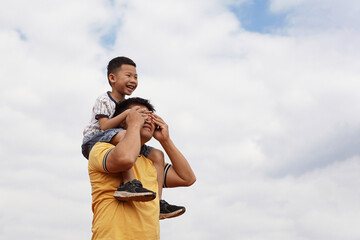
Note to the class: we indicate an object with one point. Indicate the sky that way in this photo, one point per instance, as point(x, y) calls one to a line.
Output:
point(262, 97)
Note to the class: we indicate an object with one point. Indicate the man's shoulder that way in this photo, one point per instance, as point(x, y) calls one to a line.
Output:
point(99, 152)
point(101, 146)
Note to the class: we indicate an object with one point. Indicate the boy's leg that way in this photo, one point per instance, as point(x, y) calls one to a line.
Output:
point(166, 210)
point(127, 176)
point(118, 137)
point(130, 189)
point(157, 157)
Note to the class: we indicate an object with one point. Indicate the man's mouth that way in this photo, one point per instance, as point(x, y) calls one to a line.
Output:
point(148, 126)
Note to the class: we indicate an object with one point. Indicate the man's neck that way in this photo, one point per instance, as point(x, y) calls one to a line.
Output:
point(144, 140)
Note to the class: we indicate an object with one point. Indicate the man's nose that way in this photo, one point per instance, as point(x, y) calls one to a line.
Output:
point(148, 119)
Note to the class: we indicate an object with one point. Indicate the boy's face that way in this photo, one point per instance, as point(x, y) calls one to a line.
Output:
point(124, 80)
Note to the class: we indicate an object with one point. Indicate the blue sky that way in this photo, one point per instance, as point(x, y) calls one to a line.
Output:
point(109, 38)
point(261, 97)
point(256, 16)
point(21, 35)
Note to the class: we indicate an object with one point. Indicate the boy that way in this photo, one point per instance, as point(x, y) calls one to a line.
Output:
point(122, 77)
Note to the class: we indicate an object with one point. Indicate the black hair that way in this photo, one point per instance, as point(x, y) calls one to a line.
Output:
point(128, 103)
point(116, 63)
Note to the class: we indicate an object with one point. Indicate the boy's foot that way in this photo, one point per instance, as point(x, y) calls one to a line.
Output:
point(134, 191)
point(170, 211)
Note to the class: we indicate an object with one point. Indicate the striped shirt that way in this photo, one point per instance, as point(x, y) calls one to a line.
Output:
point(104, 107)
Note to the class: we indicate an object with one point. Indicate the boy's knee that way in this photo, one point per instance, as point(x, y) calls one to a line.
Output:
point(118, 137)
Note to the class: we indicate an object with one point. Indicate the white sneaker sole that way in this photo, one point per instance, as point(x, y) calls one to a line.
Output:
point(171, 215)
point(138, 197)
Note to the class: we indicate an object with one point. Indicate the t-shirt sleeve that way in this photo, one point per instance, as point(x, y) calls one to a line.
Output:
point(98, 155)
point(103, 108)
point(166, 169)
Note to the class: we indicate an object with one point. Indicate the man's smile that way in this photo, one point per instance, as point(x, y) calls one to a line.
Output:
point(148, 126)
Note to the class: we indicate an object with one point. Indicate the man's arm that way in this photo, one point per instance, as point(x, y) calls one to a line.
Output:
point(180, 174)
point(125, 153)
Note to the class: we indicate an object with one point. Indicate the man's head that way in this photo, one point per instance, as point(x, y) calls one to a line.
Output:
point(122, 75)
point(148, 128)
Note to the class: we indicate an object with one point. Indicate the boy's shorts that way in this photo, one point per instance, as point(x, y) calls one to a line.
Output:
point(105, 136)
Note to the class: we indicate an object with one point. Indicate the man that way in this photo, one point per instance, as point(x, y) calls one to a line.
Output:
point(132, 220)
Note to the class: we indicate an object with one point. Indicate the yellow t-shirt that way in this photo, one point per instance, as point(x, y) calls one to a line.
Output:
point(113, 220)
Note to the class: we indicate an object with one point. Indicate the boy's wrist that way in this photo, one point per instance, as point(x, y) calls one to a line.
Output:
point(123, 115)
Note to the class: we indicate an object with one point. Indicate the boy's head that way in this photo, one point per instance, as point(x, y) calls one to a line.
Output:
point(148, 128)
point(122, 76)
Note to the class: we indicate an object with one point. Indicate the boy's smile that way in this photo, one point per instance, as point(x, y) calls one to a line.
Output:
point(131, 87)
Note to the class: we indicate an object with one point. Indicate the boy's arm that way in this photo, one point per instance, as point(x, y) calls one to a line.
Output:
point(180, 174)
point(108, 123)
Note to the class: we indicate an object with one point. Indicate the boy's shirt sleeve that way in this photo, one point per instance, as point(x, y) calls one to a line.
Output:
point(103, 107)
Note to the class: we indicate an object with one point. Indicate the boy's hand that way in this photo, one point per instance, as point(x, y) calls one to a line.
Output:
point(162, 131)
point(126, 112)
point(135, 118)
point(143, 111)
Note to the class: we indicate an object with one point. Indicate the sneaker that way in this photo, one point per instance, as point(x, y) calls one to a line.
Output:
point(170, 211)
point(134, 191)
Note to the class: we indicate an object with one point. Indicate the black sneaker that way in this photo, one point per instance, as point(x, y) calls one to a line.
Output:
point(134, 191)
point(170, 211)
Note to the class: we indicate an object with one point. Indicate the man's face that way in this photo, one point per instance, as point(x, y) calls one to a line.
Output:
point(124, 80)
point(147, 131)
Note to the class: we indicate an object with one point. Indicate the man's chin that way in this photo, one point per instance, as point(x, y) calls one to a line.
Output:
point(145, 137)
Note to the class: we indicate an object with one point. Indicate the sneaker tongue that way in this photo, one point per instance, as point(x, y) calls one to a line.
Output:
point(136, 182)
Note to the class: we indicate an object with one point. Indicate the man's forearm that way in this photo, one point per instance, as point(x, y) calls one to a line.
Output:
point(179, 162)
point(131, 143)
point(125, 153)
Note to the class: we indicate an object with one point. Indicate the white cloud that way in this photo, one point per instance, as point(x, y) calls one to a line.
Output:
point(321, 204)
point(269, 122)
point(281, 5)
point(305, 16)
